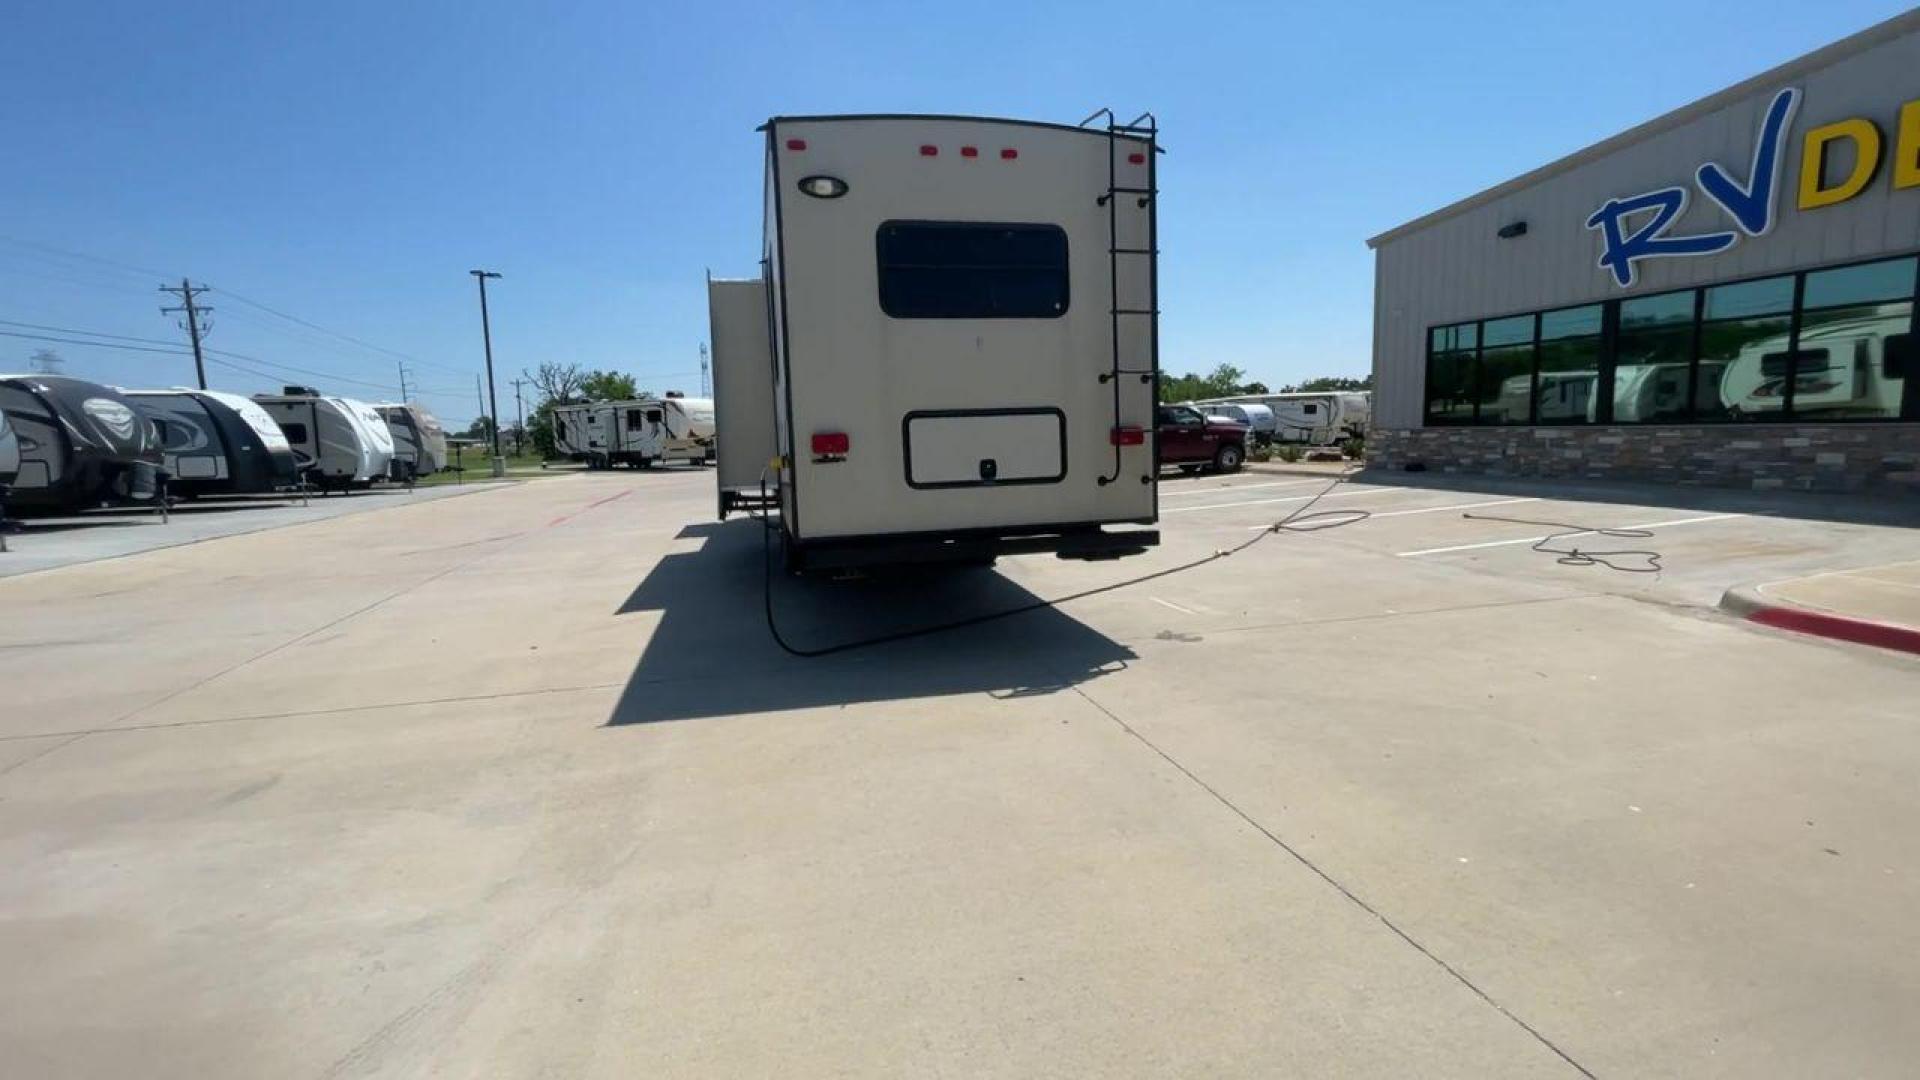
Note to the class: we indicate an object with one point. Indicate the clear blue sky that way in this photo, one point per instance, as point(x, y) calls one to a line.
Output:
point(347, 163)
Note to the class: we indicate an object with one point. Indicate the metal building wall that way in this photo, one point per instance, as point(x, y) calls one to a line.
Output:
point(1451, 266)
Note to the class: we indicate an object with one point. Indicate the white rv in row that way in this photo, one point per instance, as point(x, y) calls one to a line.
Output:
point(951, 350)
point(419, 442)
point(639, 433)
point(1315, 418)
point(339, 443)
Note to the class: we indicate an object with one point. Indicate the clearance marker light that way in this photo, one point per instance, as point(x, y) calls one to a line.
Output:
point(796, 144)
point(1128, 436)
point(831, 443)
point(1009, 154)
point(929, 150)
point(969, 151)
point(1136, 159)
point(823, 187)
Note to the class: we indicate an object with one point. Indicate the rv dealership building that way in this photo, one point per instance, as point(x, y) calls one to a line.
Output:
point(1722, 296)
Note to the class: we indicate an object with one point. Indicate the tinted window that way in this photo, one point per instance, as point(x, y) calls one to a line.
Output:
point(1569, 381)
point(295, 433)
point(1890, 280)
point(1450, 373)
point(964, 270)
point(1503, 384)
point(633, 417)
point(1653, 379)
point(1774, 296)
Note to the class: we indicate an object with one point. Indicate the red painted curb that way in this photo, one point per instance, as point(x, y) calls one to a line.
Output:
point(1825, 624)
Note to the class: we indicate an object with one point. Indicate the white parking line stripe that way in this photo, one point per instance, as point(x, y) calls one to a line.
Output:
point(1225, 488)
point(1568, 535)
point(1174, 606)
point(1455, 506)
point(1284, 499)
point(1426, 510)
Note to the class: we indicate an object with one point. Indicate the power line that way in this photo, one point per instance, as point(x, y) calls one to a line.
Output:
point(96, 344)
point(395, 353)
point(89, 333)
point(176, 351)
point(49, 249)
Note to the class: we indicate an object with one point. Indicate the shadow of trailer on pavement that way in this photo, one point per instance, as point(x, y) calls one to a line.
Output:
point(711, 654)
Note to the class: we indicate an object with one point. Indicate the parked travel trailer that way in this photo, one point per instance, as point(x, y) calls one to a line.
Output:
point(333, 439)
point(419, 442)
point(1318, 418)
point(1841, 370)
point(1261, 422)
point(639, 433)
point(79, 443)
point(217, 444)
point(958, 316)
point(570, 430)
point(9, 453)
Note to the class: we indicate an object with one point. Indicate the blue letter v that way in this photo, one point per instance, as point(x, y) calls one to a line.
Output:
point(1752, 206)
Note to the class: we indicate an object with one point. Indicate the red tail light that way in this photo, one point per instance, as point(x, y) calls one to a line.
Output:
point(1129, 436)
point(831, 442)
point(929, 150)
point(1009, 153)
point(796, 144)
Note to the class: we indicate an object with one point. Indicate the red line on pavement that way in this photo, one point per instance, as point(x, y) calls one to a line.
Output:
point(1826, 624)
point(564, 518)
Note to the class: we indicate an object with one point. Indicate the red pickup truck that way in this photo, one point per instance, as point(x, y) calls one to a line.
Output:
point(1193, 440)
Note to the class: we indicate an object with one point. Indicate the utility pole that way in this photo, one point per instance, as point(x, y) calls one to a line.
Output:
point(186, 292)
point(479, 398)
point(403, 383)
point(520, 419)
point(486, 335)
point(706, 389)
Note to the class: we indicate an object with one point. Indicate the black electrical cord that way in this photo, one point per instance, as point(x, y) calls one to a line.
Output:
point(1573, 556)
point(1298, 521)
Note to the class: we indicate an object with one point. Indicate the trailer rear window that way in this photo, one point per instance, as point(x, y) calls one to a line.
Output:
point(971, 270)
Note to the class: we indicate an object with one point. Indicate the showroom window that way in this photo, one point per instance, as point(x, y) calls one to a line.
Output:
point(1827, 345)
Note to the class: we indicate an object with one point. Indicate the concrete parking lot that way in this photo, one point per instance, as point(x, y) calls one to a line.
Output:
point(43, 543)
point(517, 784)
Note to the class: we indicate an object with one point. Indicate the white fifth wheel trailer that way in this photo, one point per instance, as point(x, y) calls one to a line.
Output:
point(961, 325)
point(570, 430)
point(640, 433)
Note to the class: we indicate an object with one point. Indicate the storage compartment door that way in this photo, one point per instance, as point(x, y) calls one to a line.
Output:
point(985, 447)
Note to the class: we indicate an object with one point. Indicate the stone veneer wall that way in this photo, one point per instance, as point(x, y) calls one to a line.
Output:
point(1839, 457)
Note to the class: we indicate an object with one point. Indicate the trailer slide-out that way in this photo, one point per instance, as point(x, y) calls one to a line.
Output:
point(951, 350)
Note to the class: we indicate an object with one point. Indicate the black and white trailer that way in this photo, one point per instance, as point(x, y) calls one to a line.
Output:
point(217, 444)
point(958, 320)
point(9, 453)
point(80, 444)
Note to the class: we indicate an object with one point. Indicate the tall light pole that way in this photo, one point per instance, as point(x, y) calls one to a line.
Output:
point(486, 335)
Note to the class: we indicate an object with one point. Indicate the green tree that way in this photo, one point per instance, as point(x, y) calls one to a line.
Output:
point(481, 428)
point(608, 386)
point(1333, 382)
point(1224, 381)
point(540, 430)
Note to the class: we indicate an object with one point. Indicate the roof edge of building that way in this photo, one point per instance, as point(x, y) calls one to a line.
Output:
point(1873, 35)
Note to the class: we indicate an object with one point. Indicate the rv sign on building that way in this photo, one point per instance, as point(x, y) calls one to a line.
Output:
point(1838, 160)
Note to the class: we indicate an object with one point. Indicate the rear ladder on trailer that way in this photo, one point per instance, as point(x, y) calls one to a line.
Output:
point(1144, 127)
